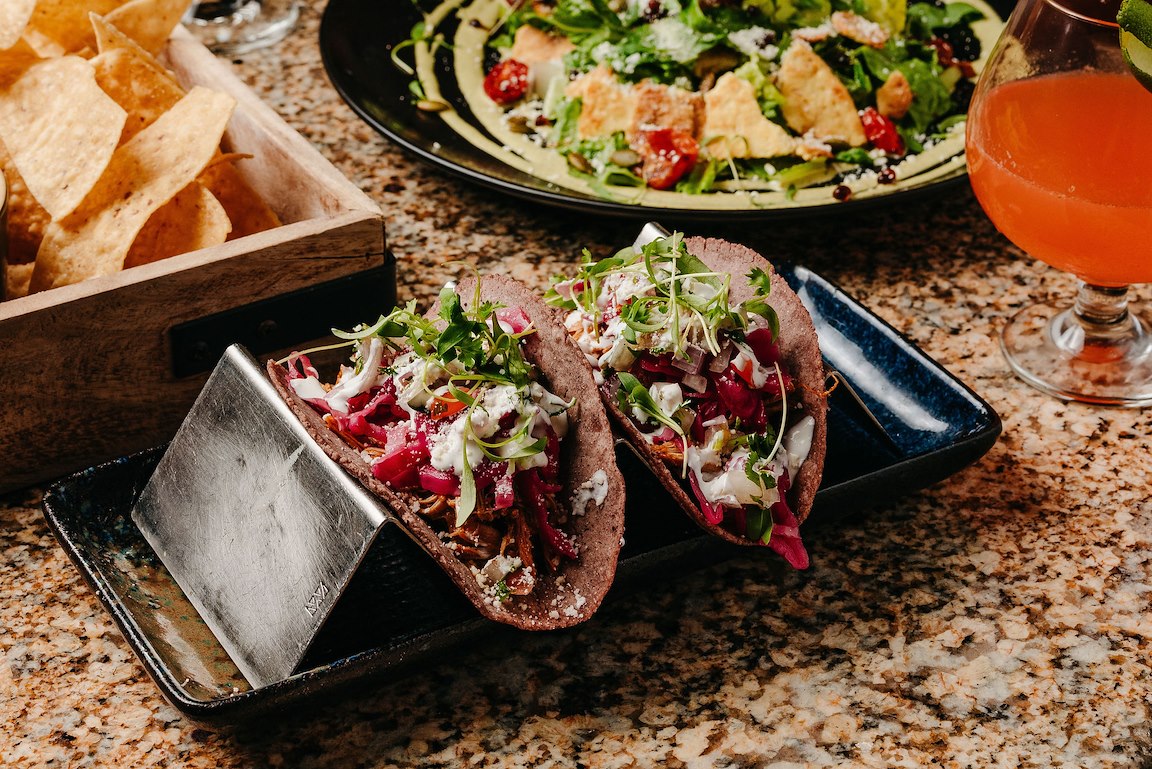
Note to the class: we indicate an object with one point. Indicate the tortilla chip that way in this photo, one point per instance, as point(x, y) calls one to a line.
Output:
point(65, 22)
point(144, 174)
point(133, 78)
point(16, 280)
point(15, 61)
point(26, 218)
point(246, 209)
point(43, 45)
point(193, 219)
point(14, 17)
point(61, 130)
point(148, 22)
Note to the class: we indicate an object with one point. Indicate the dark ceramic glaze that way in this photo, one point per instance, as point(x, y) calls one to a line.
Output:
point(420, 613)
point(356, 40)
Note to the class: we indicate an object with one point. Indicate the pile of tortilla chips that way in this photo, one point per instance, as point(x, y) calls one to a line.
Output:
point(109, 162)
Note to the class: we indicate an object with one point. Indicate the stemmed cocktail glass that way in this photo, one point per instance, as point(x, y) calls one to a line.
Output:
point(1056, 144)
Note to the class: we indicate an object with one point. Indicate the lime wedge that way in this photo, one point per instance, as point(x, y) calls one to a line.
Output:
point(1135, 20)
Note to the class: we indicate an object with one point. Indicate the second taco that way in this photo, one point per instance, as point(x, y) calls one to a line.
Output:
point(711, 366)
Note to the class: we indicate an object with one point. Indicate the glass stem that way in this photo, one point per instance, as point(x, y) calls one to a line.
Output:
point(1102, 305)
point(1098, 328)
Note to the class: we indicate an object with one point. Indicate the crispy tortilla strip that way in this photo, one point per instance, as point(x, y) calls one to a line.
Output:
point(61, 130)
point(814, 98)
point(148, 22)
point(665, 106)
point(66, 22)
point(735, 127)
point(533, 46)
point(144, 174)
point(193, 219)
point(14, 17)
point(247, 211)
point(608, 106)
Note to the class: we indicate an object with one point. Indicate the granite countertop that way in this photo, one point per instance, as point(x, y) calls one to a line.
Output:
point(997, 618)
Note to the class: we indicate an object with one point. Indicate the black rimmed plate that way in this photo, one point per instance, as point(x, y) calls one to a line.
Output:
point(357, 40)
point(401, 611)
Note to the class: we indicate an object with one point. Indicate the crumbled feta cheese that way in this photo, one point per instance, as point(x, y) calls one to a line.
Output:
point(668, 396)
point(674, 38)
point(755, 41)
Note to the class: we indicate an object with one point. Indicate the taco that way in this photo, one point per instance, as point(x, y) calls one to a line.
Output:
point(710, 365)
point(479, 426)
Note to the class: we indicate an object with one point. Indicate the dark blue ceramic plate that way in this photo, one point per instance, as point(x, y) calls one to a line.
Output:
point(930, 426)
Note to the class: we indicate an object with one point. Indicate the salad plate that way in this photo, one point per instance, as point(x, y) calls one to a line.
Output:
point(898, 423)
point(414, 72)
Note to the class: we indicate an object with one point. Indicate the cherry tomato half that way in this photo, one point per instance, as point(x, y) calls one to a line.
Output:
point(881, 131)
point(668, 154)
point(507, 81)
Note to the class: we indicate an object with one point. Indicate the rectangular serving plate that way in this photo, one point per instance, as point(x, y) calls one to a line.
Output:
point(928, 425)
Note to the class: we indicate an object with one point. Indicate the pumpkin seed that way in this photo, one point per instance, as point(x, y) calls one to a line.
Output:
point(580, 163)
point(518, 124)
point(626, 158)
point(431, 105)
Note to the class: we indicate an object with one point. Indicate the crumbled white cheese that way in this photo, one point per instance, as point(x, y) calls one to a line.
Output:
point(497, 569)
point(674, 38)
point(755, 41)
point(668, 396)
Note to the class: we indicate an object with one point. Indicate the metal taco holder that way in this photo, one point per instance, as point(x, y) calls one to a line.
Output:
point(260, 528)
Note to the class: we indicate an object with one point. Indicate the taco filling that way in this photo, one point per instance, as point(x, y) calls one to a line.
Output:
point(701, 378)
point(448, 409)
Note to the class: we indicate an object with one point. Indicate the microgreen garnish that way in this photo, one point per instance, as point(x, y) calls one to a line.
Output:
point(477, 352)
point(687, 298)
point(671, 309)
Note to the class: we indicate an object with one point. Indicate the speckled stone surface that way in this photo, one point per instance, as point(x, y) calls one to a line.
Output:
point(998, 619)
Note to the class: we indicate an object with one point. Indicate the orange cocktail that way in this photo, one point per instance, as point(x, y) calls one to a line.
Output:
point(1059, 164)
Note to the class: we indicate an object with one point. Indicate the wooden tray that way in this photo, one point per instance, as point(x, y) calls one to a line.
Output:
point(110, 366)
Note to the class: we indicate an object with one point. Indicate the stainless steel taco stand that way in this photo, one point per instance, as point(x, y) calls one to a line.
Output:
point(260, 529)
